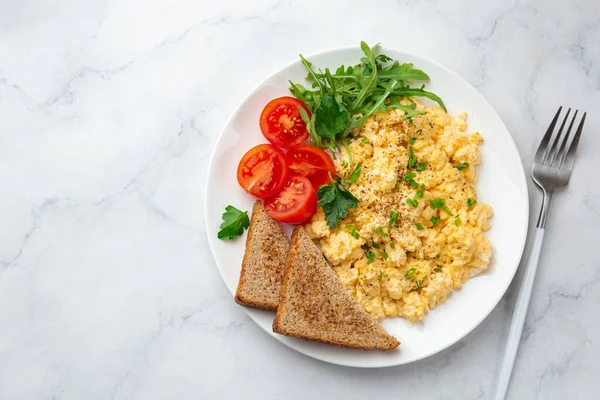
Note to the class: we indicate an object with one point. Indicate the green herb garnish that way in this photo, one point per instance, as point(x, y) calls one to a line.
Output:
point(380, 231)
point(355, 235)
point(420, 131)
point(374, 245)
point(412, 159)
point(471, 202)
point(409, 176)
point(412, 202)
point(439, 203)
point(348, 97)
point(335, 200)
point(365, 140)
point(421, 167)
point(457, 221)
point(410, 273)
point(354, 176)
point(234, 223)
point(461, 166)
point(437, 269)
point(393, 246)
point(419, 226)
point(370, 256)
point(380, 275)
point(412, 140)
point(435, 221)
point(420, 283)
point(384, 255)
point(393, 218)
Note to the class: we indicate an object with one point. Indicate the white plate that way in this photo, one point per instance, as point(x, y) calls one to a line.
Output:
point(501, 184)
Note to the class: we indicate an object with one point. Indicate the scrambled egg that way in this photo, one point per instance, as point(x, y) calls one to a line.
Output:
point(403, 269)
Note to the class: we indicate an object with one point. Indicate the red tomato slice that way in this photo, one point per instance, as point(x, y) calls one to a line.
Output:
point(295, 203)
point(311, 162)
point(281, 123)
point(262, 171)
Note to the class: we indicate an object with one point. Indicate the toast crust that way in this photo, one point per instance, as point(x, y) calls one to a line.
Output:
point(374, 336)
point(267, 252)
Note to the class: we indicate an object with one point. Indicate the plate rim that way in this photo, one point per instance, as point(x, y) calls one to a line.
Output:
point(522, 178)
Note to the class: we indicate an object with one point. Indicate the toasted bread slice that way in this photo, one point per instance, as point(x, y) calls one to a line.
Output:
point(315, 305)
point(267, 248)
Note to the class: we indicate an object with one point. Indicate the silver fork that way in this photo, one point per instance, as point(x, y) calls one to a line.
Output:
point(552, 167)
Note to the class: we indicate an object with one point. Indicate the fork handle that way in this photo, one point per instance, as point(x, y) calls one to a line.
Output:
point(520, 312)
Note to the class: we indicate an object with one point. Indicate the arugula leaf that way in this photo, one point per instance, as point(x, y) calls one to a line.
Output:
point(234, 223)
point(409, 111)
point(403, 72)
point(335, 200)
point(347, 98)
point(310, 126)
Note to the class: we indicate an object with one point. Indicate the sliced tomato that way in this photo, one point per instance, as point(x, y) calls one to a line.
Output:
point(311, 162)
point(262, 171)
point(282, 124)
point(295, 203)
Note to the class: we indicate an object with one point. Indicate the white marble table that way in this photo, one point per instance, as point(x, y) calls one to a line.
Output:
point(109, 111)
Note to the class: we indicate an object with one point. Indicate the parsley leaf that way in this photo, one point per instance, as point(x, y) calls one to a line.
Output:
point(412, 140)
point(410, 273)
point(355, 234)
point(435, 221)
point(421, 167)
point(419, 226)
point(374, 245)
point(234, 223)
point(335, 200)
point(330, 120)
point(471, 202)
point(355, 175)
point(393, 246)
point(461, 166)
point(370, 256)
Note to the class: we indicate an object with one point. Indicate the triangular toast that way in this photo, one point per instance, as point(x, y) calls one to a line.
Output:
point(315, 305)
point(267, 248)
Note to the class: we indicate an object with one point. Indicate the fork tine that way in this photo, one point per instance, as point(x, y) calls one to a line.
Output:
point(570, 157)
point(541, 151)
point(560, 152)
point(552, 152)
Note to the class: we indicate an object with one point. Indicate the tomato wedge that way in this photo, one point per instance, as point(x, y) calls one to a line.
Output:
point(281, 123)
point(311, 162)
point(295, 203)
point(262, 171)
